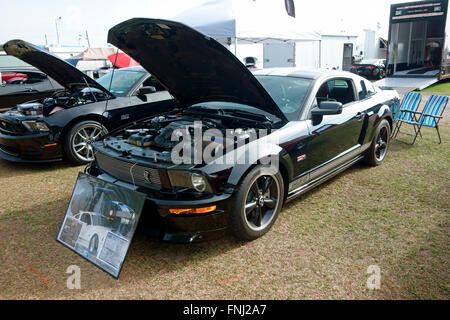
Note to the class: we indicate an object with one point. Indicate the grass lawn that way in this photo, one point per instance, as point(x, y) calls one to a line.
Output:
point(395, 216)
point(441, 87)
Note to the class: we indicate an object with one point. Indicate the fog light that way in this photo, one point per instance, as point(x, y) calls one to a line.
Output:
point(193, 210)
point(198, 182)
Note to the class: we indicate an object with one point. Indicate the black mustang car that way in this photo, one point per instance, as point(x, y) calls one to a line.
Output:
point(370, 68)
point(21, 84)
point(66, 124)
point(286, 131)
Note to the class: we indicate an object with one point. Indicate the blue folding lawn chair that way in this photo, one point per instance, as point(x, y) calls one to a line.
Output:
point(429, 117)
point(410, 102)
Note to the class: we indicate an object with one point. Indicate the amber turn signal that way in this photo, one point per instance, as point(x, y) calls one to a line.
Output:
point(193, 210)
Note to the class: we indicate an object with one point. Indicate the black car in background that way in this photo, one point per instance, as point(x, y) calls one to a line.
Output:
point(370, 68)
point(20, 84)
point(66, 124)
point(310, 125)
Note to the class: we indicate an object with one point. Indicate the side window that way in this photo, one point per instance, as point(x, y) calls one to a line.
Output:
point(35, 78)
point(340, 90)
point(151, 81)
point(370, 88)
point(367, 90)
point(363, 92)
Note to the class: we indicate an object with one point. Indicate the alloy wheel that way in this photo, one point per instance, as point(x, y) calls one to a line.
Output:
point(381, 144)
point(262, 202)
point(84, 139)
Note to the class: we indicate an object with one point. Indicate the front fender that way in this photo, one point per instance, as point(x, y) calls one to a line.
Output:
point(242, 159)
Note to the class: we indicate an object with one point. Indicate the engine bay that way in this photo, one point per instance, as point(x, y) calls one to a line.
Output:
point(154, 139)
point(60, 100)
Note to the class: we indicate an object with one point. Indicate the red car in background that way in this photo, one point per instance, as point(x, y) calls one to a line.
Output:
point(22, 84)
point(12, 77)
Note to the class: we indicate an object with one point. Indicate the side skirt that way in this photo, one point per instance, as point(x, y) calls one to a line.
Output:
point(306, 187)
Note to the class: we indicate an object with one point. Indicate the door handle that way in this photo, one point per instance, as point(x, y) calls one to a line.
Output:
point(360, 115)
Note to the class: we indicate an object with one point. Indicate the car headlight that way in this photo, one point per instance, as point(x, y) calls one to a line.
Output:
point(35, 125)
point(198, 182)
point(186, 179)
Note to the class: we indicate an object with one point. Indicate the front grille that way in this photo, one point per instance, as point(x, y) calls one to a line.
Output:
point(7, 128)
point(129, 172)
point(9, 150)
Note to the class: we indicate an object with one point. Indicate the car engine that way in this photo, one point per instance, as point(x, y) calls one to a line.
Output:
point(156, 138)
point(59, 101)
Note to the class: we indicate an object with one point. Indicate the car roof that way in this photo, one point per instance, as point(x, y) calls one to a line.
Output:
point(312, 74)
point(20, 69)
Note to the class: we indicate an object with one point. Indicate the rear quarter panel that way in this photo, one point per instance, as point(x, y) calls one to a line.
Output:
point(380, 109)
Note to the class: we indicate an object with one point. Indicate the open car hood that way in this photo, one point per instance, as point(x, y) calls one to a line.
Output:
point(61, 71)
point(190, 65)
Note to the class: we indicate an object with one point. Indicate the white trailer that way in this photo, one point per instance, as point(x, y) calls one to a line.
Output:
point(417, 45)
point(331, 52)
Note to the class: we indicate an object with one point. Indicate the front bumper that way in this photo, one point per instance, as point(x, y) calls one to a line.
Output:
point(157, 221)
point(35, 148)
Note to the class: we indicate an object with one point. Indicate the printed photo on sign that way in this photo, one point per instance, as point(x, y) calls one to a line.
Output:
point(100, 222)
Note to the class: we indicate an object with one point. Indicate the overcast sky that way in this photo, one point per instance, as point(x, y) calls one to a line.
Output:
point(31, 20)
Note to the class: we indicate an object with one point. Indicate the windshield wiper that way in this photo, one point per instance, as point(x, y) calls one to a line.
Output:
point(223, 112)
point(249, 114)
point(202, 109)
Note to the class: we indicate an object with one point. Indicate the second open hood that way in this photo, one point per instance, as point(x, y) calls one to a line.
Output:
point(61, 71)
point(192, 66)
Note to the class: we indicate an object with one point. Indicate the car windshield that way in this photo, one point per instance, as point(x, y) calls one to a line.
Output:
point(122, 81)
point(289, 93)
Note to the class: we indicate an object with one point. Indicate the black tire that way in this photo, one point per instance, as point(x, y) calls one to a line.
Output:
point(381, 74)
point(243, 222)
point(74, 137)
point(93, 245)
point(377, 151)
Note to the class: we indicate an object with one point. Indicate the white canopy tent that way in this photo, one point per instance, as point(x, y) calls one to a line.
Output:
point(246, 21)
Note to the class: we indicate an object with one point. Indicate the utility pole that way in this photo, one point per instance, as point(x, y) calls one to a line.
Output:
point(57, 33)
point(87, 38)
point(46, 42)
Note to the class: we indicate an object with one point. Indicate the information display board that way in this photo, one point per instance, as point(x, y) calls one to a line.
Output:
point(100, 222)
